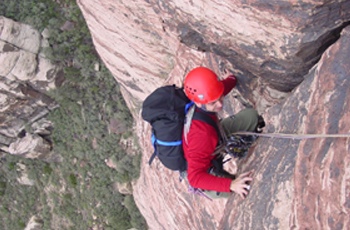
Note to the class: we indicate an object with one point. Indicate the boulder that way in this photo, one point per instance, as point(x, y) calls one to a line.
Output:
point(30, 146)
point(23, 173)
point(25, 77)
point(34, 224)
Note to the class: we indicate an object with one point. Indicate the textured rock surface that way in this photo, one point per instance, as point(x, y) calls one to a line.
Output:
point(30, 146)
point(303, 184)
point(25, 75)
point(23, 173)
point(33, 224)
point(148, 43)
point(270, 47)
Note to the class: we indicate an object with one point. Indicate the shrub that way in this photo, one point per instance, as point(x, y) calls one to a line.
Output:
point(88, 100)
point(2, 187)
point(72, 180)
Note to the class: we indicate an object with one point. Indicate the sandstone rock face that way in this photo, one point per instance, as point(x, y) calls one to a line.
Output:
point(268, 46)
point(25, 76)
point(272, 48)
point(303, 184)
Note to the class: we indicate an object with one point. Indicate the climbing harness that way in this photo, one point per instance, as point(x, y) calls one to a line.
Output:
point(238, 145)
point(235, 145)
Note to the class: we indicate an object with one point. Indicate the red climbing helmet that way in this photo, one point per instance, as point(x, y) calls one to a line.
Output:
point(203, 86)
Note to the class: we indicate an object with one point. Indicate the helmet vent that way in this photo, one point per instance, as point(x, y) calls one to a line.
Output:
point(191, 90)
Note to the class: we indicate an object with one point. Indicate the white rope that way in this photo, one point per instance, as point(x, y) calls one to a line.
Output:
point(295, 136)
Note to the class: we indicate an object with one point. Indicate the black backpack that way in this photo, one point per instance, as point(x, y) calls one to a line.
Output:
point(165, 110)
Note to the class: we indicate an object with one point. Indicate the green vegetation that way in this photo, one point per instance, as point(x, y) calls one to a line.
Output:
point(77, 192)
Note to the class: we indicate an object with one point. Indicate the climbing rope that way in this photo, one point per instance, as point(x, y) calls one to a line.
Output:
point(294, 136)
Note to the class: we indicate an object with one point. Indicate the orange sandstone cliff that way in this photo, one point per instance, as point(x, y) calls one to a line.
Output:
point(291, 60)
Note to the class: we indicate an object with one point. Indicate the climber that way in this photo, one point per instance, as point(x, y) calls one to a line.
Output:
point(202, 86)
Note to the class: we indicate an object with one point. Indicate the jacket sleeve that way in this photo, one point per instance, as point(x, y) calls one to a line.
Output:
point(229, 83)
point(199, 155)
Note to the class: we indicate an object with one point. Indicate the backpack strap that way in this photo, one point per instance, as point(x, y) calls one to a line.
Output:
point(207, 119)
point(218, 161)
point(155, 141)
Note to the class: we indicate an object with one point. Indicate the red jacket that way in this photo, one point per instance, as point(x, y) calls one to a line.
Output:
point(201, 143)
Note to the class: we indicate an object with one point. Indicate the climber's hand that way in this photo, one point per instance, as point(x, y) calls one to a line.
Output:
point(240, 185)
